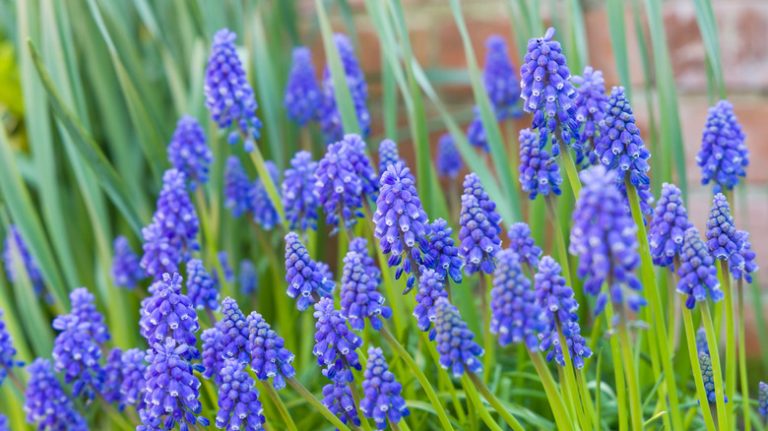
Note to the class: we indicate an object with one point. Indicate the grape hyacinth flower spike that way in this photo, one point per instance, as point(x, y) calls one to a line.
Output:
point(168, 313)
point(724, 156)
point(455, 342)
point(306, 283)
point(132, 384)
point(748, 256)
point(401, 224)
point(707, 376)
point(239, 405)
point(354, 150)
point(382, 400)
point(113, 371)
point(7, 352)
point(126, 270)
point(448, 160)
point(360, 245)
point(516, 316)
point(248, 278)
point(479, 233)
point(237, 188)
point(723, 240)
point(360, 296)
point(476, 132)
point(668, 226)
point(46, 404)
point(591, 105)
point(228, 94)
point(335, 344)
point(338, 187)
point(269, 357)
point(303, 97)
point(388, 154)
point(539, 171)
point(188, 151)
point(443, 253)
point(299, 199)
point(431, 289)
point(500, 78)
point(15, 246)
point(338, 398)
point(202, 288)
point(226, 268)
point(762, 399)
point(521, 242)
point(264, 212)
point(697, 272)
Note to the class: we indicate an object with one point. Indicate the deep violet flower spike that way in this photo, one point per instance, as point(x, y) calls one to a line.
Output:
point(338, 398)
point(233, 330)
point(697, 272)
point(168, 313)
point(521, 242)
point(359, 245)
point(668, 226)
point(620, 148)
point(269, 357)
point(188, 151)
point(335, 344)
point(126, 271)
point(500, 78)
point(248, 278)
point(724, 156)
point(516, 316)
point(431, 289)
point(388, 154)
point(443, 253)
point(237, 188)
point(591, 105)
point(723, 240)
point(382, 400)
point(264, 212)
point(708, 377)
point(132, 386)
point(401, 224)
point(298, 192)
point(476, 132)
point(202, 288)
point(239, 404)
point(302, 97)
point(448, 160)
point(212, 357)
point(748, 255)
point(455, 342)
point(172, 390)
point(4, 423)
point(762, 399)
point(113, 371)
point(84, 308)
point(7, 351)
point(46, 404)
point(338, 187)
point(360, 296)
point(354, 150)
point(539, 171)
point(306, 283)
point(603, 237)
point(228, 94)
point(701, 341)
point(16, 246)
point(479, 228)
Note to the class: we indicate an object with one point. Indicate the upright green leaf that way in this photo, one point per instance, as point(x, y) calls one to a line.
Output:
point(709, 35)
point(619, 43)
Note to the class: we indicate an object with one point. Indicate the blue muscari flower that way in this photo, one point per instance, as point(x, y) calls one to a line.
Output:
point(360, 296)
point(248, 278)
point(133, 382)
point(723, 240)
point(388, 154)
point(455, 342)
point(329, 115)
point(202, 288)
point(401, 224)
point(299, 199)
point(359, 245)
point(591, 106)
point(479, 233)
point(4, 426)
point(212, 358)
point(233, 330)
point(382, 400)
point(724, 155)
point(306, 283)
point(239, 405)
point(46, 404)
point(431, 289)
point(126, 270)
point(303, 97)
point(338, 186)
point(697, 272)
point(701, 341)
point(620, 147)
point(548, 92)
point(226, 268)
point(476, 132)
point(560, 308)
point(705, 365)
point(237, 188)
point(668, 226)
point(603, 237)
point(113, 372)
point(228, 94)
point(338, 398)
point(443, 253)
point(521, 242)
point(84, 308)
point(269, 357)
point(172, 390)
point(335, 344)
point(168, 313)
point(748, 256)
point(539, 171)
point(175, 225)
point(762, 399)
point(264, 212)
point(448, 160)
point(7, 351)
point(189, 153)
point(500, 78)
point(15, 246)
point(516, 316)
point(354, 149)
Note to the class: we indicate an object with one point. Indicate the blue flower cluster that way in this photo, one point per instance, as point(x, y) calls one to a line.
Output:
point(269, 357)
point(539, 171)
point(708, 377)
point(264, 212)
point(133, 381)
point(299, 199)
point(479, 233)
point(303, 97)
point(697, 272)
point(762, 399)
point(202, 288)
point(16, 248)
point(239, 405)
point(126, 270)
point(431, 289)
point(591, 106)
point(521, 242)
point(168, 313)
point(500, 79)
point(237, 188)
point(515, 314)
point(382, 400)
point(448, 159)
point(455, 342)
point(723, 240)
point(338, 398)
point(388, 154)
point(248, 279)
point(188, 151)
point(7, 352)
point(46, 404)
point(443, 253)
point(335, 344)
point(668, 226)
point(724, 156)
point(476, 132)
point(360, 296)
point(306, 282)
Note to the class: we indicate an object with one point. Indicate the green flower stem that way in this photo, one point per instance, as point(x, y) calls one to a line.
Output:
point(279, 406)
point(570, 382)
point(730, 340)
point(571, 172)
point(488, 340)
point(631, 373)
point(618, 373)
point(562, 419)
point(319, 407)
point(693, 355)
point(656, 309)
point(672, 307)
point(714, 354)
point(469, 389)
point(492, 400)
point(445, 423)
point(743, 359)
point(116, 416)
point(443, 378)
point(562, 249)
point(269, 185)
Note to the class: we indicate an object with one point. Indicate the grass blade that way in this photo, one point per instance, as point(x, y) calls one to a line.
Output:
point(619, 43)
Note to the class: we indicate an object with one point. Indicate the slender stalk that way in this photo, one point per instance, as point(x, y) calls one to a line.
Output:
point(693, 355)
point(570, 381)
point(278, 403)
point(571, 172)
point(618, 373)
point(269, 185)
point(488, 339)
point(562, 419)
point(319, 407)
point(562, 249)
point(730, 340)
point(479, 407)
point(631, 374)
point(743, 359)
point(714, 354)
point(492, 400)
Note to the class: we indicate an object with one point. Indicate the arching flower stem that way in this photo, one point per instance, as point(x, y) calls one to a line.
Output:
point(282, 410)
point(314, 402)
point(556, 403)
point(478, 386)
point(574, 391)
point(709, 328)
point(744, 382)
point(730, 336)
point(690, 336)
point(489, 345)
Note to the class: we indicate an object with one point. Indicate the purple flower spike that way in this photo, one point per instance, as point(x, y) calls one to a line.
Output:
point(306, 283)
point(748, 256)
point(132, 385)
point(539, 171)
point(226, 268)
point(448, 160)
point(46, 404)
point(479, 233)
point(443, 253)
point(705, 366)
point(603, 237)
point(299, 199)
point(701, 341)
point(500, 78)
point(15, 246)
point(335, 344)
point(431, 289)
point(233, 328)
point(521, 242)
point(113, 371)
point(264, 212)
point(401, 223)
point(355, 151)
point(126, 271)
point(515, 315)
point(359, 245)
point(212, 358)
point(591, 107)
point(455, 342)
point(237, 188)
point(697, 272)
point(84, 309)
point(724, 155)
point(337, 396)
point(302, 98)
point(188, 151)
point(382, 400)
point(169, 314)
point(723, 240)
point(360, 296)
point(172, 391)
point(248, 278)
point(620, 147)
point(269, 357)
point(762, 399)
point(388, 154)
point(338, 186)
point(228, 94)
point(4, 426)
point(7, 351)
point(668, 226)
point(202, 288)
point(476, 132)
point(239, 405)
